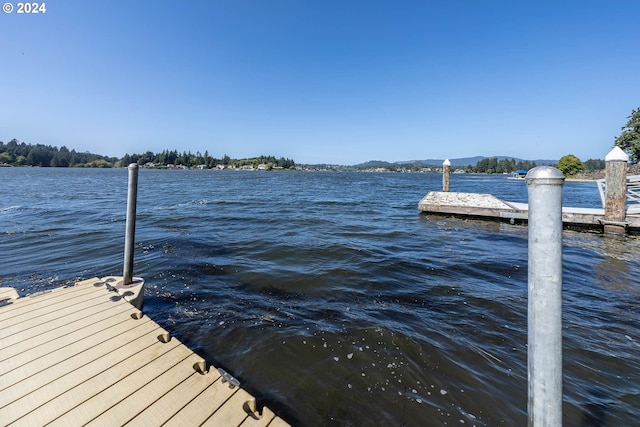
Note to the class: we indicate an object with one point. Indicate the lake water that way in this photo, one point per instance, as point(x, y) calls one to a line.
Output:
point(331, 298)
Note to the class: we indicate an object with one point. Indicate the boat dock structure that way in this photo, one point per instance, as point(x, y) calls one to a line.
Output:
point(86, 355)
point(487, 206)
point(619, 193)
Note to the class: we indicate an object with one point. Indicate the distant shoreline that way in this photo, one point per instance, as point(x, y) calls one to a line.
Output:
point(581, 179)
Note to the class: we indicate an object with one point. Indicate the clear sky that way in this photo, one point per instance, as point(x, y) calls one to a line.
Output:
point(322, 81)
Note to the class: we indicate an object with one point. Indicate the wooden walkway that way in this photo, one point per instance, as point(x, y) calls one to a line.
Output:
point(83, 355)
point(477, 205)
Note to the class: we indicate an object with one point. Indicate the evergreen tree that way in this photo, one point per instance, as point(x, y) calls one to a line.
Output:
point(629, 139)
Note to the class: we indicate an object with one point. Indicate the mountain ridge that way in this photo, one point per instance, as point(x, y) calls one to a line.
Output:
point(457, 162)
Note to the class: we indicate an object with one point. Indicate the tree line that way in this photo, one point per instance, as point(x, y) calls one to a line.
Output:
point(569, 165)
point(168, 158)
point(493, 165)
point(17, 153)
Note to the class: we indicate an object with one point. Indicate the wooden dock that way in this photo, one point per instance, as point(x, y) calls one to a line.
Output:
point(84, 355)
point(487, 206)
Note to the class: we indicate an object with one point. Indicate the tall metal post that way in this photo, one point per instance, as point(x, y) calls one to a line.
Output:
point(446, 175)
point(544, 184)
point(130, 229)
point(615, 209)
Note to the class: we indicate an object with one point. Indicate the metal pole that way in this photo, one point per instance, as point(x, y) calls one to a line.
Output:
point(615, 209)
point(130, 228)
point(544, 184)
point(446, 175)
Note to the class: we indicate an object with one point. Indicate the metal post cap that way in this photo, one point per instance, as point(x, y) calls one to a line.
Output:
point(544, 173)
point(133, 166)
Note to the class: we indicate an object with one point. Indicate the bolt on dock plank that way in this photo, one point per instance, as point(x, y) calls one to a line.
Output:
point(478, 205)
point(83, 355)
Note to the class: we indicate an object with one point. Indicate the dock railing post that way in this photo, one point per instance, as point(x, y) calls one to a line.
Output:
point(544, 315)
point(446, 175)
point(130, 228)
point(615, 202)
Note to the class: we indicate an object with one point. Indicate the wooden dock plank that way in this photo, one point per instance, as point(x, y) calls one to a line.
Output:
point(7, 296)
point(69, 355)
point(107, 398)
point(66, 358)
point(28, 330)
point(232, 413)
point(35, 306)
point(80, 395)
point(28, 315)
point(83, 355)
point(73, 389)
point(50, 296)
point(40, 387)
point(200, 408)
point(68, 333)
point(266, 419)
point(68, 340)
point(278, 422)
point(177, 398)
point(43, 298)
point(142, 399)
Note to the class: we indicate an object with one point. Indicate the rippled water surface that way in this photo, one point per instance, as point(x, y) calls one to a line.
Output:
point(332, 298)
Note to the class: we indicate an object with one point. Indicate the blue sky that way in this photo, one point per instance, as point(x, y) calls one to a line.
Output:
point(322, 81)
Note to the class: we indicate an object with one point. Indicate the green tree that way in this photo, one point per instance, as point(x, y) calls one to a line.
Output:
point(629, 139)
point(594, 165)
point(569, 165)
point(124, 162)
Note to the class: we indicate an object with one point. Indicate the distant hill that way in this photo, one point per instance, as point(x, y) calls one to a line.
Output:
point(460, 162)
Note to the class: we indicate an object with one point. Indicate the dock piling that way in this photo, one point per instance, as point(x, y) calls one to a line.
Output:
point(130, 228)
point(544, 186)
point(616, 194)
point(446, 175)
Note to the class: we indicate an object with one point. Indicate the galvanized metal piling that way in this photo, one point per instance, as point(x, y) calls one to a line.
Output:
point(544, 184)
point(616, 193)
point(130, 228)
point(446, 175)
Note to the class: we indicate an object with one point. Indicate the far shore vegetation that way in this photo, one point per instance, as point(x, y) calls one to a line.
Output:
point(16, 153)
